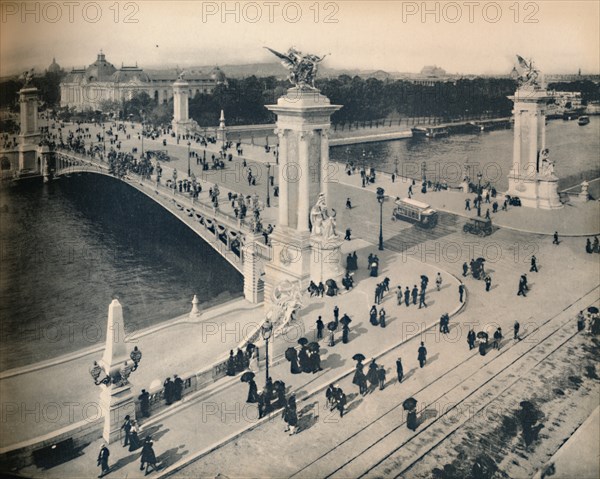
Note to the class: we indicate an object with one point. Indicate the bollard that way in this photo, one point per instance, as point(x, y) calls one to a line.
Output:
point(195, 311)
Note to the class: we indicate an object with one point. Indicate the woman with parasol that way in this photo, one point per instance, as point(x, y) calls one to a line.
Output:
point(359, 376)
point(345, 328)
point(410, 405)
point(292, 356)
point(248, 377)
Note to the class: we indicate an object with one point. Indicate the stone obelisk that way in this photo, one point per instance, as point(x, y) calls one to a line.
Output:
point(116, 399)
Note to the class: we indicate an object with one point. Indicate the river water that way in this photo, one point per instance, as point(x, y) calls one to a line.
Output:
point(70, 246)
point(573, 148)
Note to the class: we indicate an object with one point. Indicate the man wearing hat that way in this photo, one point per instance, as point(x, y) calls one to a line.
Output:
point(103, 460)
point(127, 428)
point(399, 370)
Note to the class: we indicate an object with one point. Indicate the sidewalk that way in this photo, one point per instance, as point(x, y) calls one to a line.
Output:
point(574, 219)
point(196, 426)
point(578, 457)
point(181, 345)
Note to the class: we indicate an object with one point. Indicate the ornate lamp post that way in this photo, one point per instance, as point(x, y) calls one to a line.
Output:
point(189, 144)
point(101, 376)
point(268, 181)
point(479, 176)
point(266, 330)
point(142, 122)
point(380, 199)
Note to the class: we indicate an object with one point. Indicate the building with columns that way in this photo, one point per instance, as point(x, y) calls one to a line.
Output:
point(86, 88)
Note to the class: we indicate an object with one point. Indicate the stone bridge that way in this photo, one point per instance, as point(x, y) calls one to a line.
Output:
point(234, 239)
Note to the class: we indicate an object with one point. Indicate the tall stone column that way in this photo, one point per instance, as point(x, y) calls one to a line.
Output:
point(282, 178)
point(532, 177)
point(116, 399)
point(325, 173)
point(302, 115)
point(304, 180)
point(181, 121)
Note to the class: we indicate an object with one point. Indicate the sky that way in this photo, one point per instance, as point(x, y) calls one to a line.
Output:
point(477, 37)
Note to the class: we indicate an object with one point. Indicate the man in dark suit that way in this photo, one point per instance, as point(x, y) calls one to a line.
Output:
point(422, 354)
point(399, 370)
point(103, 460)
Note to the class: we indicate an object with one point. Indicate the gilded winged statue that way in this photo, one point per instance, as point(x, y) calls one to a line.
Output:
point(302, 67)
point(528, 75)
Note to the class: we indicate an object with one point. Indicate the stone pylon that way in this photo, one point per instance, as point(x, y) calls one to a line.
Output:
point(116, 399)
point(532, 177)
point(303, 122)
point(29, 137)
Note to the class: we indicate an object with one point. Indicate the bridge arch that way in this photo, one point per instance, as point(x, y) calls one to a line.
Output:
point(238, 247)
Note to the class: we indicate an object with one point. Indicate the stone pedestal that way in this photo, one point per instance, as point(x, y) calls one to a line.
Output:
point(327, 260)
point(529, 179)
point(116, 402)
point(253, 281)
point(291, 259)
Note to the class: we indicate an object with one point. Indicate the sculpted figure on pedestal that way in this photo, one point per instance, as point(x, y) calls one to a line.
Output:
point(303, 67)
point(547, 166)
point(323, 223)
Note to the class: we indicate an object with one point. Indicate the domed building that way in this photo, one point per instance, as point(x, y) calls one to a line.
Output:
point(54, 67)
point(86, 88)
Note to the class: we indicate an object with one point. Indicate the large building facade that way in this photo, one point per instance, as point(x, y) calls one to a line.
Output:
point(86, 88)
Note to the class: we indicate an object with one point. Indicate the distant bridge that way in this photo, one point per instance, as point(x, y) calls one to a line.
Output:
point(231, 237)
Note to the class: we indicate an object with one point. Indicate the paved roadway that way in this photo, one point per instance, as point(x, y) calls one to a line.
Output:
point(566, 273)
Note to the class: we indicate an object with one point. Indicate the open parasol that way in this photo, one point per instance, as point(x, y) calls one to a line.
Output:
point(290, 353)
point(359, 357)
point(313, 347)
point(592, 310)
point(247, 377)
point(303, 341)
point(482, 335)
point(345, 320)
point(409, 404)
point(331, 326)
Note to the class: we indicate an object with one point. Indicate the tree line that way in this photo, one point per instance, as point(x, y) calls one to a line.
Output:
point(363, 100)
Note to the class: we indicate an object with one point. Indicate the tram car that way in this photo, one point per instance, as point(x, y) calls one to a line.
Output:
point(415, 212)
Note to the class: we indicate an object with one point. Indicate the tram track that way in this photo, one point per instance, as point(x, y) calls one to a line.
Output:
point(388, 440)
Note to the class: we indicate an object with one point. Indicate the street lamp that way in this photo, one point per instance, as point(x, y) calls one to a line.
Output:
point(189, 154)
point(268, 181)
point(103, 142)
point(479, 176)
point(380, 199)
point(265, 330)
